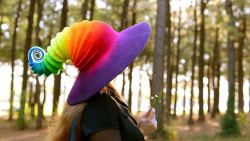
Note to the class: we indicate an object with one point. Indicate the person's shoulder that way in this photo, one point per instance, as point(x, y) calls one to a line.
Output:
point(100, 113)
point(98, 99)
point(100, 104)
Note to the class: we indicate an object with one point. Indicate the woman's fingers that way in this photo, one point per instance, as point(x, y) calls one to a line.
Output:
point(155, 124)
point(147, 113)
point(151, 114)
point(148, 124)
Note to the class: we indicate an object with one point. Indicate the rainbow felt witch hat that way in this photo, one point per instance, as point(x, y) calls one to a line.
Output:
point(98, 51)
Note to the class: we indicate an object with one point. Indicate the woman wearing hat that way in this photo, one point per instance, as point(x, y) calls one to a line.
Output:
point(94, 109)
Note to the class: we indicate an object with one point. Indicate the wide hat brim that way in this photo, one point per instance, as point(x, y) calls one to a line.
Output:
point(128, 45)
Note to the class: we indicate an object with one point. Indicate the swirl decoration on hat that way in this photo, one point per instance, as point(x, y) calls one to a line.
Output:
point(36, 54)
point(74, 43)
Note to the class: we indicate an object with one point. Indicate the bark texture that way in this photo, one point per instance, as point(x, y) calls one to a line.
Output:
point(190, 119)
point(13, 56)
point(21, 117)
point(158, 65)
point(169, 67)
point(57, 81)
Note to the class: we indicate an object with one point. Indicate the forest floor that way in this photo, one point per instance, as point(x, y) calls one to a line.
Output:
point(206, 131)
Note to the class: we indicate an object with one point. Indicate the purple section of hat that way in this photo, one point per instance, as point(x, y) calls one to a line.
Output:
point(129, 44)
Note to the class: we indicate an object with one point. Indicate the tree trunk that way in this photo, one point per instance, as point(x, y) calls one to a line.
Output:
point(39, 106)
point(92, 10)
point(123, 25)
point(36, 94)
point(169, 74)
point(34, 98)
point(57, 82)
point(64, 16)
point(231, 126)
point(57, 91)
point(185, 86)
point(201, 61)
point(123, 83)
point(84, 9)
point(13, 52)
point(177, 63)
point(44, 96)
point(1, 22)
point(216, 74)
point(124, 17)
point(49, 37)
point(190, 120)
point(130, 87)
point(208, 84)
point(158, 66)
point(134, 13)
point(40, 4)
point(131, 65)
point(240, 65)
point(31, 99)
point(21, 117)
point(231, 60)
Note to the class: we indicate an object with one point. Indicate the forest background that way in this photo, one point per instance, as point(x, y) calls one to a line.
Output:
point(197, 54)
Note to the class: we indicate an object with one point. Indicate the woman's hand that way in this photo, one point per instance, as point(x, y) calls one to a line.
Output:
point(148, 124)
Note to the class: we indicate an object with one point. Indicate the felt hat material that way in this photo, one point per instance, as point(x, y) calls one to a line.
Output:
point(98, 51)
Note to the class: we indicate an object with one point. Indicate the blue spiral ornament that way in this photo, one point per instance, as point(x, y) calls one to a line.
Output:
point(37, 50)
point(36, 62)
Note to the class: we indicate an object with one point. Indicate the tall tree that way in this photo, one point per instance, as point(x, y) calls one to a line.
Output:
point(124, 24)
point(229, 123)
point(169, 67)
point(40, 4)
point(231, 59)
point(13, 52)
point(31, 100)
point(92, 10)
point(44, 96)
point(84, 9)
point(123, 83)
point(190, 120)
point(240, 60)
point(185, 86)
point(21, 117)
point(216, 74)
point(1, 22)
point(132, 64)
point(130, 86)
point(49, 37)
point(201, 61)
point(57, 81)
point(158, 65)
point(177, 62)
point(124, 17)
point(208, 83)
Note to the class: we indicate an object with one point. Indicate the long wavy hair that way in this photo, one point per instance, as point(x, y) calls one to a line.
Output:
point(60, 127)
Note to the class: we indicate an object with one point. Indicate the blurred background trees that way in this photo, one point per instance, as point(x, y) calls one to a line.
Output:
point(197, 53)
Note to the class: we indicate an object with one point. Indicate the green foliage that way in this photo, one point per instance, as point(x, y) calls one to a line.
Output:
point(242, 118)
point(229, 125)
point(157, 99)
point(21, 122)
